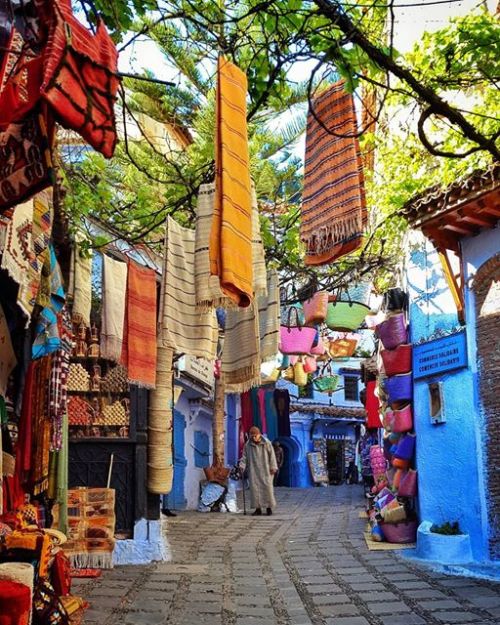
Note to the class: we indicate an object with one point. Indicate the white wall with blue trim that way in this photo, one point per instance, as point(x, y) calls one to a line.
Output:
point(449, 455)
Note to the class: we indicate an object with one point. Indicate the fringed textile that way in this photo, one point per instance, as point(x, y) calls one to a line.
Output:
point(240, 364)
point(139, 341)
point(80, 285)
point(269, 318)
point(231, 232)
point(333, 202)
point(113, 308)
point(185, 328)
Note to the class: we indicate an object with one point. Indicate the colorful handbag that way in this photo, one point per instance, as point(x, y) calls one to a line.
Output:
point(392, 331)
point(406, 447)
point(326, 383)
point(320, 348)
point(299, 374)
point(397, 360)
point(345, 315)
point(296, 339)
point(399, 388)
point(310, 364)
point(401, 533)
point(402, 420)
point(315, 308)
point(288, 374)
point(343, 346)
point(394, 514)
point(408, 484)
point(80, 79)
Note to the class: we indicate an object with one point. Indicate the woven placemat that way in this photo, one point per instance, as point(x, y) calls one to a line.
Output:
point(374, 546)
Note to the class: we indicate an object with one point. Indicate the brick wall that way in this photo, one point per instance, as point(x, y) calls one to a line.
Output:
point(487, 290)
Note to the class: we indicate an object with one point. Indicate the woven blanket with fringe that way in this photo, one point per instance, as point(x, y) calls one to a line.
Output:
point(241, 355)
point(139, 337)
point(231, 231)
point(269, 318)
point(113, 307)
point(186, 329)
point(333, 202)
point(80, 285)
point(91, 528)
point(26, 242)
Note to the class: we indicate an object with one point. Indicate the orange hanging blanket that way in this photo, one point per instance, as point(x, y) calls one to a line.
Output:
point(333, 203)
point(231, 232)
point(139, 334)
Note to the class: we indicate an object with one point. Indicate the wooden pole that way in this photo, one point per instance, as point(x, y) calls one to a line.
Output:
point(218, 422)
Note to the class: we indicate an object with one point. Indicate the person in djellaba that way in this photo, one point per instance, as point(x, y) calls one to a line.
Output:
point(259, 460)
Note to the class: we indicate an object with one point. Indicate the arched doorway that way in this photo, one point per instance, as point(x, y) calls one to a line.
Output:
point(288, 475)
point(486, 287)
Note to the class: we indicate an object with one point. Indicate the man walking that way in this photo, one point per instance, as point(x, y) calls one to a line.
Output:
point(258, 457)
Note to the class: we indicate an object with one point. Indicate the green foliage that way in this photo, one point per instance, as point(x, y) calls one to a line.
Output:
point(447, 529)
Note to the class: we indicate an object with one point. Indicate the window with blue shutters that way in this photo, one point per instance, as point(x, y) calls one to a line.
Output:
point(201, 450)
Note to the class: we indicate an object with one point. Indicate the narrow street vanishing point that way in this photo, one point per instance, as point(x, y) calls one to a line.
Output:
point(307, 564)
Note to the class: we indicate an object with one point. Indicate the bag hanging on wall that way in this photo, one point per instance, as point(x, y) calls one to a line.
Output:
point(406, 447)
point(399, 388)
point(319, 349)
point(408, 484)
point(345, 316)
point(402, 420)
point(393, 331)
point(315, 308)
point(327, 381)
point(80, 79)
point(397, 360)
point(343, 346)
point(296, 339)
point(310, 364)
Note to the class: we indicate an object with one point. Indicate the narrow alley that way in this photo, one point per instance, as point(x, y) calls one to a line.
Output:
point(307, 564)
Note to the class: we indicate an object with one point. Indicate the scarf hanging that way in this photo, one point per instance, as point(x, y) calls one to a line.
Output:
point(246, 418)
point(231, 232)
point(269, 318)
point(58, 386)
point(139, 340)
point(258, 253)
point(207, 286)
point(333, 202)
point(7, 357)
point(185, 329)
point(39, 480)
point(114, 287)
point(240, 364)
point(271, 415)
point(80, 285)
point(261, 398)
point(254, 399)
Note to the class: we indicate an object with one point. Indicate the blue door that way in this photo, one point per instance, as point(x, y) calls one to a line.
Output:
point(231, 431)
point(175, 500)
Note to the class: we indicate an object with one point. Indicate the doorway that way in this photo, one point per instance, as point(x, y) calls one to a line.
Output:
point(335, 461)
point(176, 500)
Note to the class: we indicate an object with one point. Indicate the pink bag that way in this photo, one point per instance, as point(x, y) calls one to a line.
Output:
point(320, 348)
point(408, 484)
point(402, 420)
point(310, 364)
point(392, 331)
point(397, 360)
point(296, 339)
point(315, 308)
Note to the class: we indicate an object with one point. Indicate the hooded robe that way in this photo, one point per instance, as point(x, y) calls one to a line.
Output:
point(260, 460)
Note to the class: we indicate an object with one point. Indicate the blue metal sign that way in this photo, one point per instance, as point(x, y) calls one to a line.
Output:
point(439, 355)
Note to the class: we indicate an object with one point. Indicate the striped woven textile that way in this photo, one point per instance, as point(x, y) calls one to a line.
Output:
point(269, 318)
point(333, 204)
point(208, 291)
point(185, 328)
point(231, 233)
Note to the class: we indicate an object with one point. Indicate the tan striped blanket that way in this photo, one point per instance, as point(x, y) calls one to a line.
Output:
point(333, 202)
point(269, 318)
point(231, 233)
point(185, 328)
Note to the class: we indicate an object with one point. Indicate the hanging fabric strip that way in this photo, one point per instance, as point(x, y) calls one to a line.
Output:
point(114, 287)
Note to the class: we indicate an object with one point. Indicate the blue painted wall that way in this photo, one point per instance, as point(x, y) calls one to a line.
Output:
point(448, 455)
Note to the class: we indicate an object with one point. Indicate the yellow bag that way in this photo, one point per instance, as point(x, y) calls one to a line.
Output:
point(299, 375)
point(288, 374)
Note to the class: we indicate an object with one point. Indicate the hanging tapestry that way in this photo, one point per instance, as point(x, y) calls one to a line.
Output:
point(27, 237)
point(271, 415)
point(139, 337)
point(231, 233)
point(91, 527)
point(58, 388)
point(208, 291)
point(241, 354)
point(114, 286)
point(80, 79)
point(185, 328)
point(333, 202)
point(80, 285)
point(25, 157)
point(7, 357)
point(269, 318)
point(51, 297)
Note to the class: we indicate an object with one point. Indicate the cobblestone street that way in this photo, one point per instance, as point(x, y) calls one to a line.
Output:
point(307, 564)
